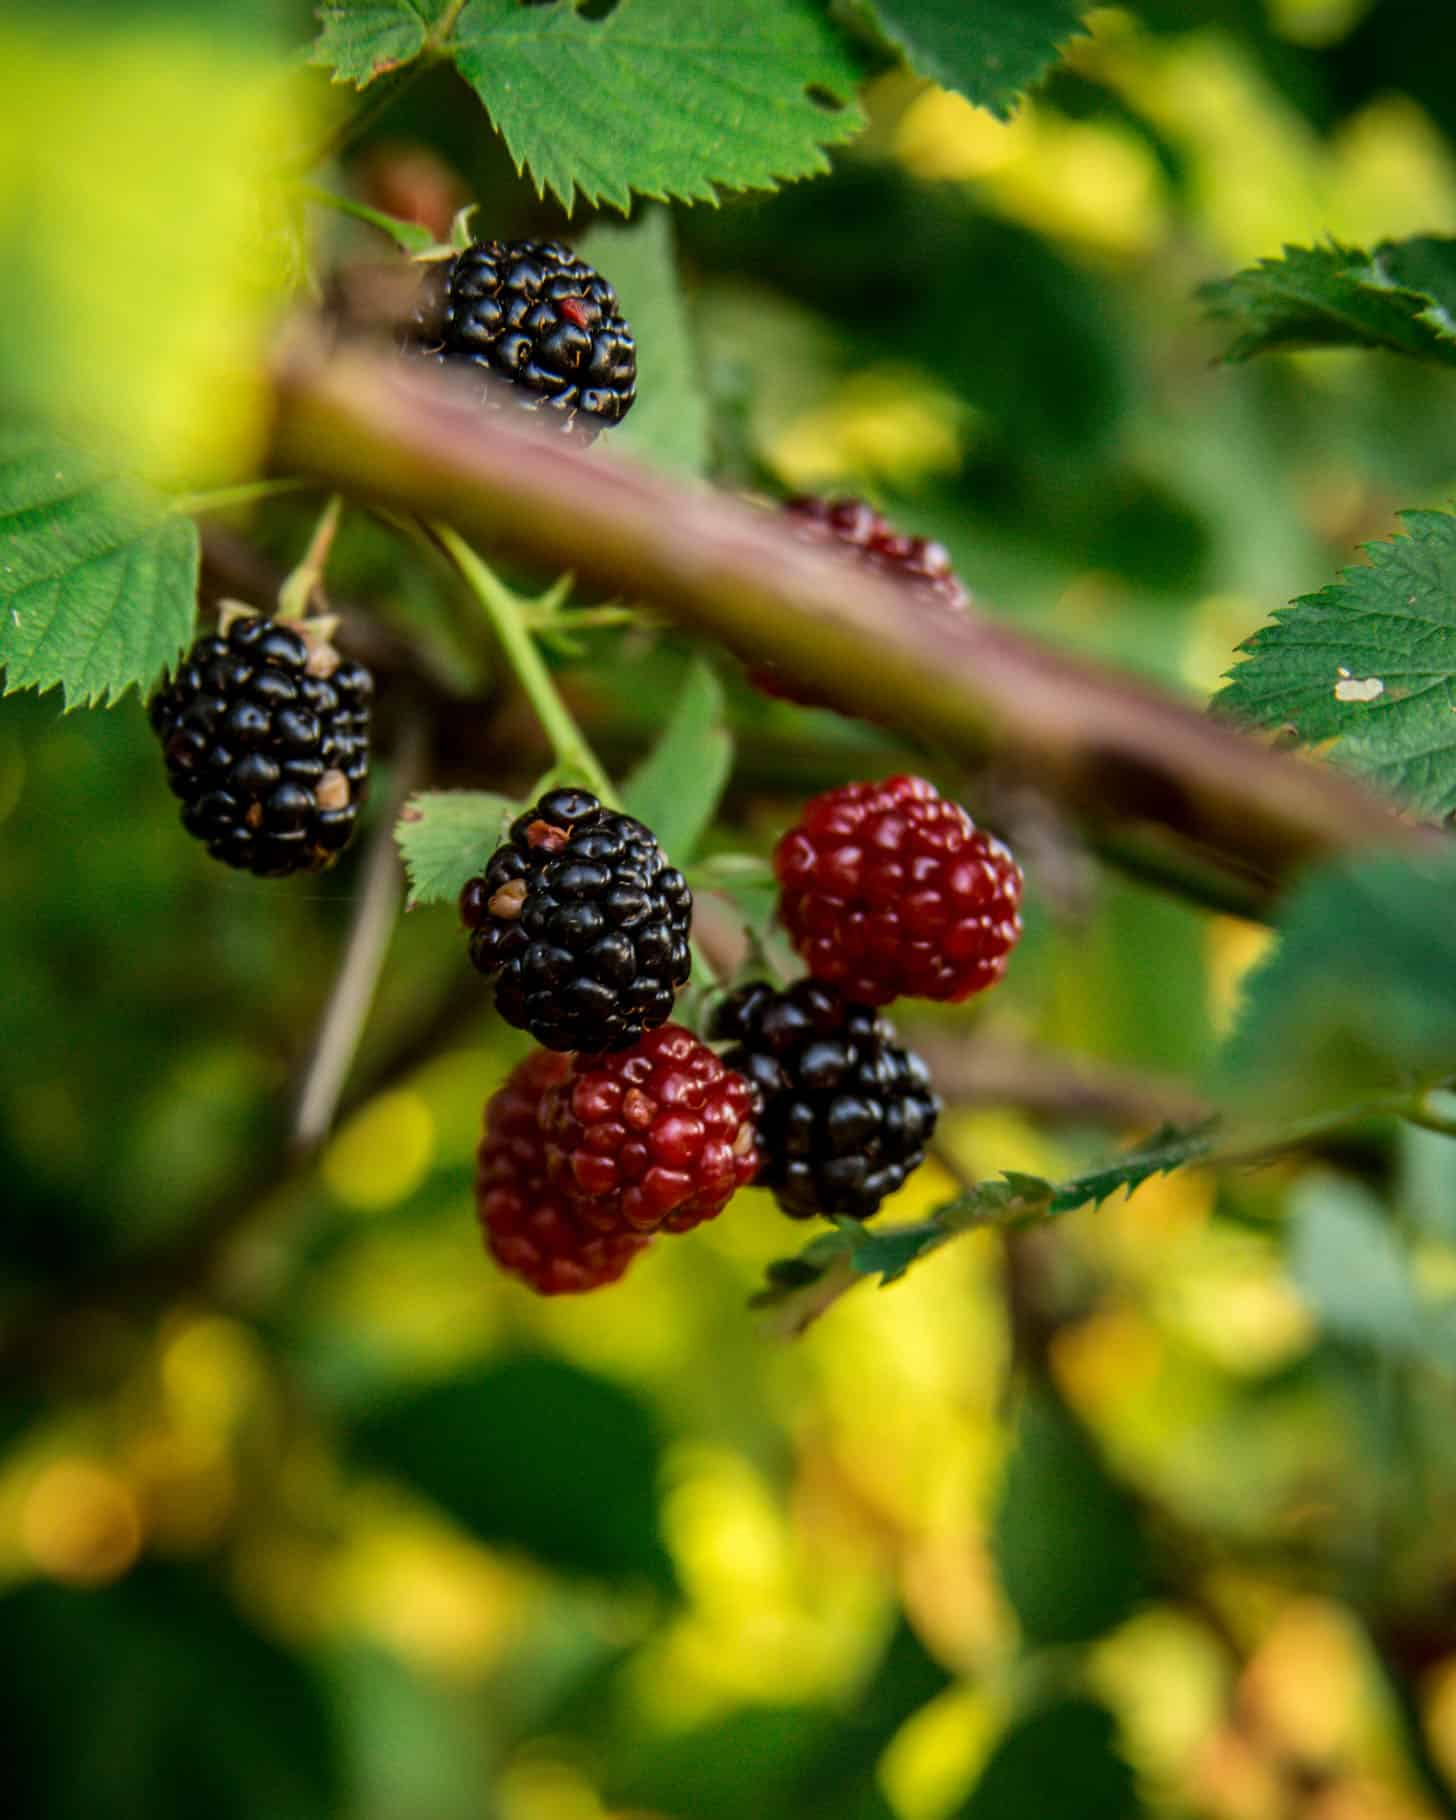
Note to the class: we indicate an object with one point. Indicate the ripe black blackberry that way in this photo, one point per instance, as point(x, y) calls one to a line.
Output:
point(266, 736)
point(847, 1112)
point(541, 325)
point(583, 924)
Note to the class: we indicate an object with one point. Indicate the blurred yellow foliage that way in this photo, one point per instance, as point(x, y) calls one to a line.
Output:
point(384, 1152)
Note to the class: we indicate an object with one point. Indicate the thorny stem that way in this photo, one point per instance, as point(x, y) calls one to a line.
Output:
point(568, 745)
point(1118, 754)
point(306, 581)
point(222, 499)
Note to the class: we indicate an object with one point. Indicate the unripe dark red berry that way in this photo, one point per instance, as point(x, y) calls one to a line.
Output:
point(529, 1225)
point(888, 891)
point(657, 1137)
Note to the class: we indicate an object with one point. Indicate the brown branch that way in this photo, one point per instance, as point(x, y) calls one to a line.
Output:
point(1122, 756)
point(1064, 1089)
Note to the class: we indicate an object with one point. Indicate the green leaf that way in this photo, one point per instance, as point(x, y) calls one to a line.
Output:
point(1070, 1552)
point(536, 1454)
point(668, 424)
point(989, 51)
point(662, 97)
point(1063, 1760)
point(1350, 1267)
point(1357, 1002)
point(446, 836)
point(677, 787)
point(364, 39)
point(98, 584)
point(1011, 1199)
point(1370, 663)
point(186, 1709)
point(1397, 298)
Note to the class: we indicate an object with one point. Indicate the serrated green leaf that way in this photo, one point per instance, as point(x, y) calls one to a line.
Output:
point(1340, 297)
point(535, 1453)
point(1350, 1267)
point(446, 836)
point(98, 583)
point(1370, 663)
point(1011, 1199)
point(1357, 1001)
point(661, 97)
point(668, 424)
point(362, 40)
point(677, 787)
point(1070, 1553)
point(990, 51)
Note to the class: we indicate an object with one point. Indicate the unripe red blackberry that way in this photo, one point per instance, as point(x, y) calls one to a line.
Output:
point(529, 1226)
point(921, 564)
point(888, 890)
point(582, 923)
point(657, 1137)
point(847, 1112)
point(266, 736)
point(541, 327)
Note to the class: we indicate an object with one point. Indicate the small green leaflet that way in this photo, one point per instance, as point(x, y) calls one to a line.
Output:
point(98, 583)
point(987, 50)
point(361, 40)
point(668, 424)
point(1012, 1199)
point(1357, 1002)
point(446, 836)
point(676, 788)
point(1369, 662)
point(1401, 297)
point(1349, 1265)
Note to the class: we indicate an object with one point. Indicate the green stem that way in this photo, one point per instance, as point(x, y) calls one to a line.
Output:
point(568, 744)
point(221, 499)
point(580, 619)
point(409, 236)
point(300, 587)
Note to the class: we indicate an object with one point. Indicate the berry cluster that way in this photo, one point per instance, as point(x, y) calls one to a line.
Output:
point(265, 732)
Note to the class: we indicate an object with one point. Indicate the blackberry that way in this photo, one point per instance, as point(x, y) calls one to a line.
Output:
point(847, 1112)
point(924, 566)
point(889, 890)
point(528, 1224)
point(266, 736)
point(583, 924)
point(540, 325)
point(656, 1137)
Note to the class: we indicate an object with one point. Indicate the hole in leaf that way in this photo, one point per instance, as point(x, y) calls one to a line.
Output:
point(821, 97)
point(597, 9)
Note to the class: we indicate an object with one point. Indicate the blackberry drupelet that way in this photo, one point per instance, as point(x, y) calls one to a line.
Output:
point(847, 1112)
point(583, 924)
point(266, 736)
point(540, 325)
point(924, 566)
point(657, 1137)
point(889, 890)
point(528, 1224)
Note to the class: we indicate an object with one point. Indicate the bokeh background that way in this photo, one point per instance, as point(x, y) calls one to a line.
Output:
point(306, 1511)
